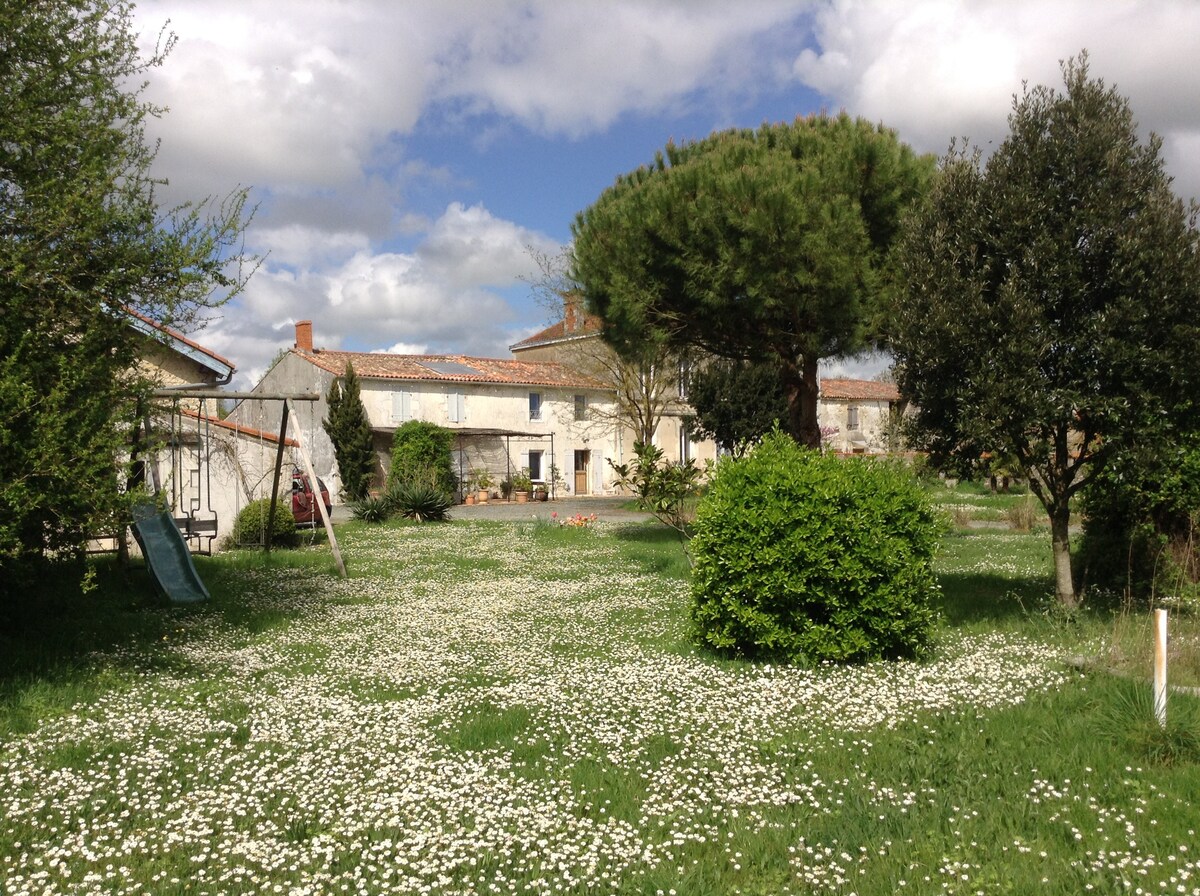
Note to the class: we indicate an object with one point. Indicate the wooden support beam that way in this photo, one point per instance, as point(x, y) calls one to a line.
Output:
point(283, 422)
point(312, 477)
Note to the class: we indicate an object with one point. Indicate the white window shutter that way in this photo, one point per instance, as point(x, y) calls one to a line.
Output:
point(597, 460)
point(524, 460)
point(398, 406)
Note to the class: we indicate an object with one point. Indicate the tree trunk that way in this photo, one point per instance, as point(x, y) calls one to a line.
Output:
point(1060, 537)
point(802, 387)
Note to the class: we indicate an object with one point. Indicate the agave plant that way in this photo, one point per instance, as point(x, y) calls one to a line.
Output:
point(420, 502)
point(372, 509)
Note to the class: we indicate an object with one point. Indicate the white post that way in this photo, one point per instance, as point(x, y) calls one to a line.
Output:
point(1160, 667)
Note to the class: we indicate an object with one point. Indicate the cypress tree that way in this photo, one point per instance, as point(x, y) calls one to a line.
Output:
point(350, 431)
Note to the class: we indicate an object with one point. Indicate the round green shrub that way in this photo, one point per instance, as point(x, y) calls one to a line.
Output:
point(804, 557)
point(251, 525)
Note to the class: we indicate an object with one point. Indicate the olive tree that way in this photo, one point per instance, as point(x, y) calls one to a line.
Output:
point(1050, 306)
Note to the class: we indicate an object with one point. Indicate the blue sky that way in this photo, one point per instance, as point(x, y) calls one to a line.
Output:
point(405, 154)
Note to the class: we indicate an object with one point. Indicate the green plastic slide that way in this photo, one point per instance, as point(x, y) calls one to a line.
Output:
point(167, 556)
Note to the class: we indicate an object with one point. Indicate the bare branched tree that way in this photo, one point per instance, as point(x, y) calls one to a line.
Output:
point(647, 384)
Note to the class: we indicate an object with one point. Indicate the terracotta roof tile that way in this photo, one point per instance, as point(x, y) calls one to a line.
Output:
point(239, 428)
point(859, 390)
point(451, 369)
point(175, 334)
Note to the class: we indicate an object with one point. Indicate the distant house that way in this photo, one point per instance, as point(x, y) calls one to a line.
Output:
point(507, 415)
point(857, 415)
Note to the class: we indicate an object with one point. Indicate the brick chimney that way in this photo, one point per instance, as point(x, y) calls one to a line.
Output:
point(304, 335)
point(572, 319)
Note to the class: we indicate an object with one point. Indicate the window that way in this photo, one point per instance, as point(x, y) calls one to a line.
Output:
point(535, 405)
point(535, 466)
point(456, 406)
point(404, 406)
point(580, 407)
point(852, 417)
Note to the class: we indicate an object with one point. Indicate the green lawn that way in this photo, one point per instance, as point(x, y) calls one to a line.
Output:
point(517, 708)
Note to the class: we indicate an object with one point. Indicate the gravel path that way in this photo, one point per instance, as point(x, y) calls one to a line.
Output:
point(608, 509)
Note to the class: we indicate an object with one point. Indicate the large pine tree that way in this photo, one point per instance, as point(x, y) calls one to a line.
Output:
point(767, 246)
point(350, 431)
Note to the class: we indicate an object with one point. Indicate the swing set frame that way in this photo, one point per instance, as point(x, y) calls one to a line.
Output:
point(288, 411)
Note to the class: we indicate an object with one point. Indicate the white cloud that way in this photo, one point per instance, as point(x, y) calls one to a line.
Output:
point(298, 245)
point(575, 67)
point(405, 348)
point(468, 245)
point(442, 296)
point(302, 93)
point(279, 93)
point(938, 70)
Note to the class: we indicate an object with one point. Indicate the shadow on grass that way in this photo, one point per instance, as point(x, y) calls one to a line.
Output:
point(52, 630)
point(47, 621)
point(656, 548)
point(647, 533)
point(973, 598)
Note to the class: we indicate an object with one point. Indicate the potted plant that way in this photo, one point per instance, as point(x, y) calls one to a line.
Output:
point(521, 485)
point(483, 479)
point(506, 488)
point(468, 490)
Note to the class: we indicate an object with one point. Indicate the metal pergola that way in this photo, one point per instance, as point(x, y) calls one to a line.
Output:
point(483, 432)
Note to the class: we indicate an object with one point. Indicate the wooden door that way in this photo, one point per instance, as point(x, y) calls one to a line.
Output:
point(581, 472)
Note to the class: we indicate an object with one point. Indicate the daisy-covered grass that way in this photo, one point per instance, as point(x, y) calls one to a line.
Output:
point(518, 708)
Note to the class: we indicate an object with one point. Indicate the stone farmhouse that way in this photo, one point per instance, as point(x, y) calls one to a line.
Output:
point(506, 415)
point(855, 412)
point(551, 410)
point(575, 342)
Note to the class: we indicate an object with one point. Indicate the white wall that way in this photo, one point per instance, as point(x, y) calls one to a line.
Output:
point(474, 406)
point(872, 424)
point(294, 375)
